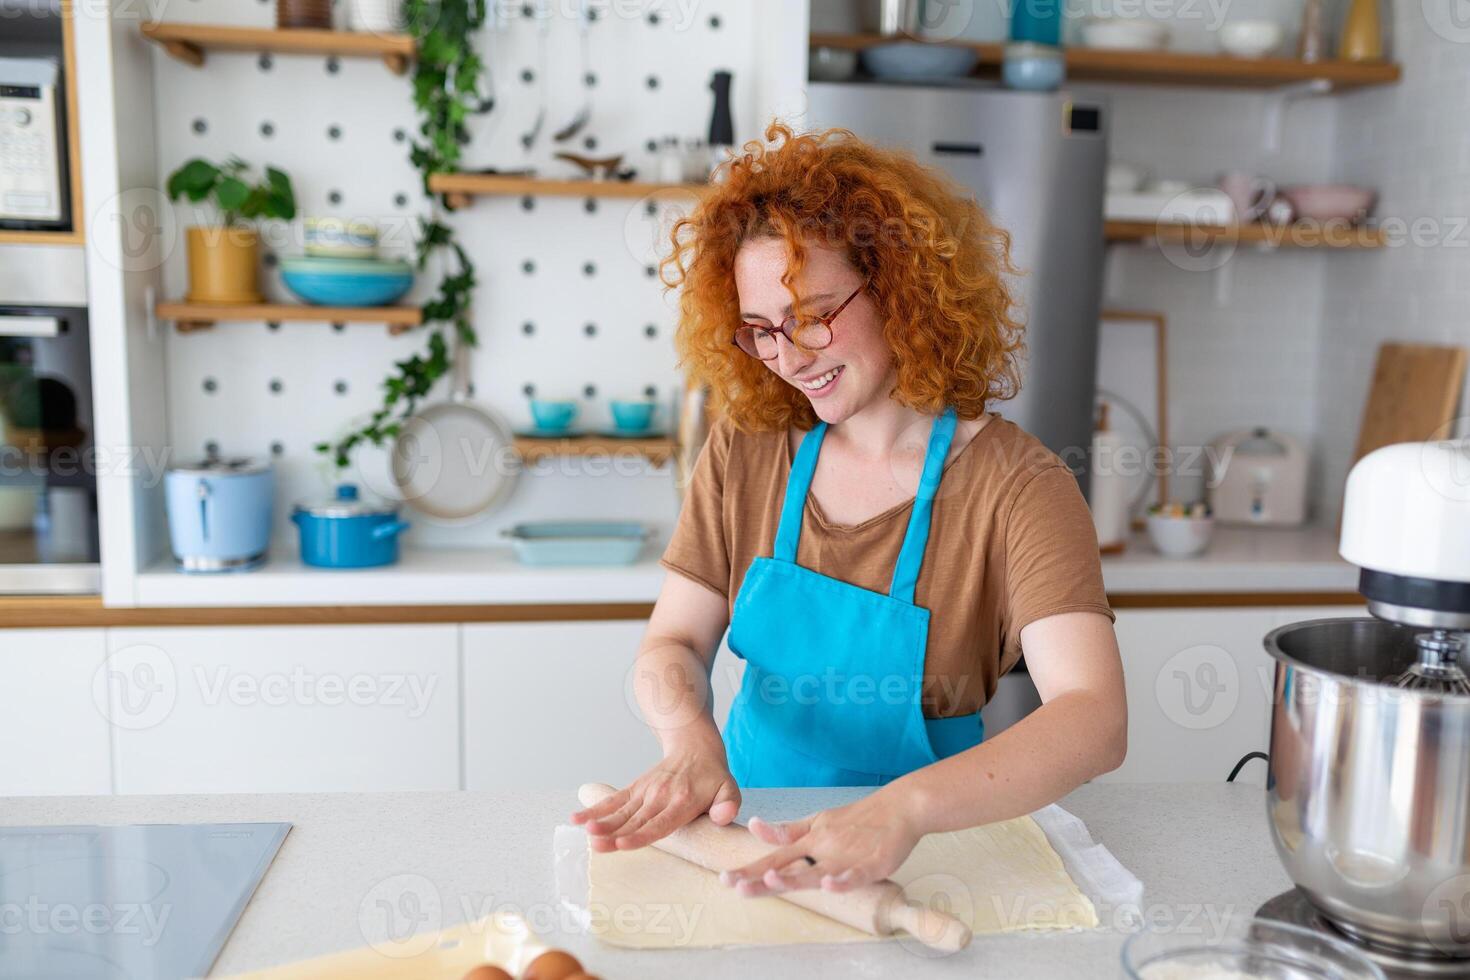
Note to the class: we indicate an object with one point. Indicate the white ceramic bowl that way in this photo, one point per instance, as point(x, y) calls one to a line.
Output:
point(1250, 38)
point(1180, 537)
point(1123, 34)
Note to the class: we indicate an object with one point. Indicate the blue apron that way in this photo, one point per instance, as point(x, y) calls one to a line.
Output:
point(834, 673)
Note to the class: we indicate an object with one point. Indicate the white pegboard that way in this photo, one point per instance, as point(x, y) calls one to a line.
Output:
point(339, 128)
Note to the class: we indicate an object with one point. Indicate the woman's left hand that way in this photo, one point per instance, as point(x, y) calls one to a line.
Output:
point(848, 847)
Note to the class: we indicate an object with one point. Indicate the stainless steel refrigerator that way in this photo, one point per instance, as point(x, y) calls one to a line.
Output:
point(1036, 162)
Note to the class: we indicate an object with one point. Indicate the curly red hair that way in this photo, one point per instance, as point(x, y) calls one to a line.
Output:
point(936, 266)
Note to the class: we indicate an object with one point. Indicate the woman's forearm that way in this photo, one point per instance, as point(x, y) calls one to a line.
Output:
point(672, 684)
point(1062, 744)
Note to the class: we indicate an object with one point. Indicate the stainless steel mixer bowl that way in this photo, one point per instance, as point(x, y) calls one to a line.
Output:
point(1368, 793)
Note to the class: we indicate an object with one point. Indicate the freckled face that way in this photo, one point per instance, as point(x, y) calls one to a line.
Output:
point(857, 367)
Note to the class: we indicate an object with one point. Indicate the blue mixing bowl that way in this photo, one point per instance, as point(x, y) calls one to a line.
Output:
point(346, 282)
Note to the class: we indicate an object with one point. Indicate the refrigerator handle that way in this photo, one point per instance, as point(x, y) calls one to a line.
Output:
point(942, 148)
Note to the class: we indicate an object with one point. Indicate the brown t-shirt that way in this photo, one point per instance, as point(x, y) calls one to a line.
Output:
point(1011, 541)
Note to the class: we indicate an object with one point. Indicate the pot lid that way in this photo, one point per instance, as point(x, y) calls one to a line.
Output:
point(346, 503)
point(223, 466)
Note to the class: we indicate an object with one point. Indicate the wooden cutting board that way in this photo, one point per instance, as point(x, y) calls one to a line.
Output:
point(1414, 394)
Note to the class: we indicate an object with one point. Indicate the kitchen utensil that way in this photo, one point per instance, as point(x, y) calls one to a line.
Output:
point(1250, 38)
point(554, 416)
point(721, 139)
point(632, 416)
point(1369, 785)
point(143, 900)
point(348, 532)
point(1362, 33)
point(1250, 194)
point(596, 168)
point(455, 461)
point(832, 64)
point(915, 61)
point(879, 909)
point(340, 239)
point(1125, 34)
point(304, 13)
point(577, 542)
point(543, 43)
point(1032, 67)
point(219, 513)
point(584, 114)
point(346, 282)
point(1258, 477)
point(1180, 537)
point(1413, 395)
point(1257, 948)
point(1330, 202)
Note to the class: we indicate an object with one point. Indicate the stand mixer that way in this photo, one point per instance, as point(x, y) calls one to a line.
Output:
point(1369, 787)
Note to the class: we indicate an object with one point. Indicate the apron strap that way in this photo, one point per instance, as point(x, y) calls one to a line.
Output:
point(788, 532)
point(916, 538)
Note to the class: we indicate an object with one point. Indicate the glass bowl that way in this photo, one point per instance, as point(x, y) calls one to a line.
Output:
point(1257, 949)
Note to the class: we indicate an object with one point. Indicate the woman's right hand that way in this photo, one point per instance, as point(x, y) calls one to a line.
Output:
point(689, 782)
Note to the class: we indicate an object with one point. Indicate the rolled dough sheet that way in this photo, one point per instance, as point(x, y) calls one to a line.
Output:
point(1004, 877)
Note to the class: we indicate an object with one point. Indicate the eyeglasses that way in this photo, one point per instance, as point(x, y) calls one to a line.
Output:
point(808, 333)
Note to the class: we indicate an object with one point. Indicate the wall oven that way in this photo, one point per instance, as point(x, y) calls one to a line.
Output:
point(48, 470)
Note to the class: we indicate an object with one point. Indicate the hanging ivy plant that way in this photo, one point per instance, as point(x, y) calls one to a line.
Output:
point(446, 93)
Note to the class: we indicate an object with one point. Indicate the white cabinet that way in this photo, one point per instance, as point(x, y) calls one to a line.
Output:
point(1200, 688)
point(552, 706)
point(285, 709)
point(54, 734)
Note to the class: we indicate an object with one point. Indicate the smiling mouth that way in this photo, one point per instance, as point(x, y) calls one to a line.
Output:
point(823, 380)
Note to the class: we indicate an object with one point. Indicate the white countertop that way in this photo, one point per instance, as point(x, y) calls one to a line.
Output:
point(1203, 852)
point(1248, 560)
point(1238, 559)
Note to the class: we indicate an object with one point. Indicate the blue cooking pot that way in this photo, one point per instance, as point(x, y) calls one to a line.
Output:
point(348, 532)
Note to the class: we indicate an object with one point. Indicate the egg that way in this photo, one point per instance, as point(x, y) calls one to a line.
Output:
point(487, 972)
point(552, 965)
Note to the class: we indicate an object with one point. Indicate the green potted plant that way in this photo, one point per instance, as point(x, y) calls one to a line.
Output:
point(224, 260)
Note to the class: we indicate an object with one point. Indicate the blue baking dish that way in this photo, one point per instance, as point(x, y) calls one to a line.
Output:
point(578, 542)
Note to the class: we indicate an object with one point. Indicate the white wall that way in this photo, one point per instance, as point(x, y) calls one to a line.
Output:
point(1412, 142)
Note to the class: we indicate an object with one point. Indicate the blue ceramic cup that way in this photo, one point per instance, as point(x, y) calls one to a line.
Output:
point(553, 416)
point(632, 416)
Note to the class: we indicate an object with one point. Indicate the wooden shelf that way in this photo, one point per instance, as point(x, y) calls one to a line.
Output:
point(189, 317)
point(1172, 67)
point(189, 42)
point(1315, 235)
point(74, 237)
point(460, 189)
point(658, 450)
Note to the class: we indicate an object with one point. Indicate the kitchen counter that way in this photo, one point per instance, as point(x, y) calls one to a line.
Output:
point(1202, 851)
point(1249, 561)
point(1239, 559)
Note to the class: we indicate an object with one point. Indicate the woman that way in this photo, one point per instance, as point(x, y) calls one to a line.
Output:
point(881, 548)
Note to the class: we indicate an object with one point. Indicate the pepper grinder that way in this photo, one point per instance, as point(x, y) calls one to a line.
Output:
point(721, 125)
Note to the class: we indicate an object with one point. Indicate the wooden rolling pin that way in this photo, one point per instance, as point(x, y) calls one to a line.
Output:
point(879, 909)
